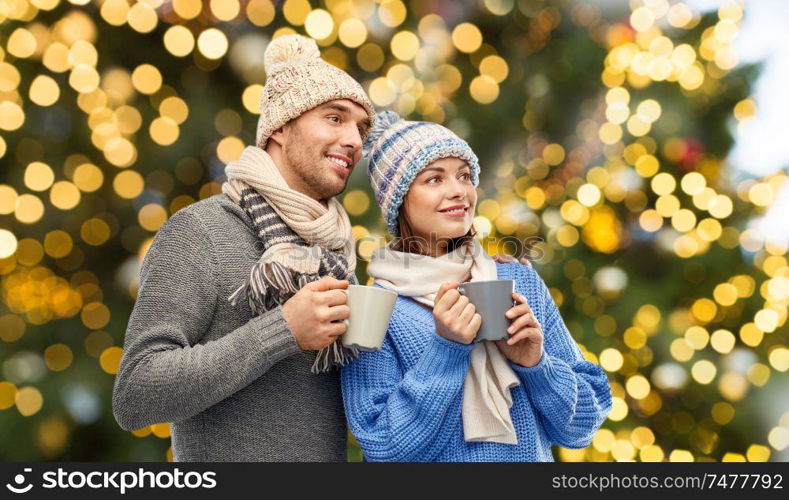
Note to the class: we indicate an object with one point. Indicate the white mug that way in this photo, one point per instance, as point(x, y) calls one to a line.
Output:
point(371, 310)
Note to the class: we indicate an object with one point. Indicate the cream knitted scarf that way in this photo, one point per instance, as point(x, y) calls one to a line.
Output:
point(302, 239)
point(486, 392)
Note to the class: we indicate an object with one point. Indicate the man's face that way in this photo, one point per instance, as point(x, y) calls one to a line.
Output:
point(322, 146)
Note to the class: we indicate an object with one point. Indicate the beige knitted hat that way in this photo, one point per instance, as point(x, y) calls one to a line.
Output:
point(299, 80)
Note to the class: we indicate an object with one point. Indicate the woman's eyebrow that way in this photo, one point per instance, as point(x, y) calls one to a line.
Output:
point(437, 169)
point(441, 169)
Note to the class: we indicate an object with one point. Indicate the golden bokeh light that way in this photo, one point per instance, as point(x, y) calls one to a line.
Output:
point(484, 89)
point(110, 359)
point(212, 43)
point(29, 209)
point(142, 18)
point(8, 243)
point(404, 45)
point(225, 10)
point(319, 24)
point(128, 184)
point(11, 116)
point(58, 357)
point(352, 32)
point(64, 195)
point(164, 130)
point(260, 12)
point(28, 401)
point(188, 9)
point(392, 13)
point(44, 91)
point(296, 11)
point(39, 176)
point(152, 216)
point(179, 41)
point(466, 37)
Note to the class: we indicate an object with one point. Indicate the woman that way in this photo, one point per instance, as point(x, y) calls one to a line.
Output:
point(431, 393)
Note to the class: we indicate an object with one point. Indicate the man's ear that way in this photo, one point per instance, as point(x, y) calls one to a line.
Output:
point(278, 136)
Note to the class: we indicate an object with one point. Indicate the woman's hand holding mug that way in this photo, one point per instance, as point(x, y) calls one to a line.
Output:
point(525, 345)
point(455, 317)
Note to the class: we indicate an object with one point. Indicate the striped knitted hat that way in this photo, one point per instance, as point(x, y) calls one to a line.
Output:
point(399, 149)
point(299, 80)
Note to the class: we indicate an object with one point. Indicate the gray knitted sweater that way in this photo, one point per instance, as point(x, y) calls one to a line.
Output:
point(234, 386)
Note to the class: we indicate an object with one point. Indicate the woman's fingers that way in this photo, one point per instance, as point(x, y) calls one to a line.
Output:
point(521, 307)
point(442, 302)
point(503, 258)
point(526, 333)
point(519, 310)
point(461, 302)
point(527, 320)
point(467, 313)
point(476, 322)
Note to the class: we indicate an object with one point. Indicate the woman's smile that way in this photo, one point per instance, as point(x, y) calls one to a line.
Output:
point(458, 211)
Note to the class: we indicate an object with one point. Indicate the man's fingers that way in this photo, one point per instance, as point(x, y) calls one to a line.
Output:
point(339, 313)
point(336, 329)
point(327, 283)
point(333, 297)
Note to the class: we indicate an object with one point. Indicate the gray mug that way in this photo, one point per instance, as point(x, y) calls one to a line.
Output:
point(492, 300)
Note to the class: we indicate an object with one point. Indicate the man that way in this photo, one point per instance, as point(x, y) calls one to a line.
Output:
point(239, 379)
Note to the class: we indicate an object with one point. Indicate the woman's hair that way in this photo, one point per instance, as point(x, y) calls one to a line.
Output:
point(410, 243)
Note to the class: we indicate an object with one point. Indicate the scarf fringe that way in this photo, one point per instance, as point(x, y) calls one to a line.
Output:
point(270, 285)
point(335, 354)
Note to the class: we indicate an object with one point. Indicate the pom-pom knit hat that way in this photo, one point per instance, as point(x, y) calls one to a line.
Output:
point(299, 80)
point(399, 149)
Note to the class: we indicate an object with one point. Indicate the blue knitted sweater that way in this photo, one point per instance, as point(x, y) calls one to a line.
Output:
point(403, 403)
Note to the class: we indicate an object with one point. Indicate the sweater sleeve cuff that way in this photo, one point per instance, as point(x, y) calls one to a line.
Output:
point(546, 376)
point(274, 335)
point(444, 357)
point(541, 365)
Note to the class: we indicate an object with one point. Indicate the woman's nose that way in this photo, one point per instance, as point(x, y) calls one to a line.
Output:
point(456, 187)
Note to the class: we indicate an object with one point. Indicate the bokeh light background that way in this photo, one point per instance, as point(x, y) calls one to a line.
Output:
point(605, 128)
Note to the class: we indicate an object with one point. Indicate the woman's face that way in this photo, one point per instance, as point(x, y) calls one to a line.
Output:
point(441, 200)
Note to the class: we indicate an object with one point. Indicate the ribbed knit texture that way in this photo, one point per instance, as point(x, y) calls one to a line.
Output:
point(403, 403)
point(235, 387)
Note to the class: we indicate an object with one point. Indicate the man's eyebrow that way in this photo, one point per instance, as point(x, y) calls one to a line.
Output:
point(338, 107)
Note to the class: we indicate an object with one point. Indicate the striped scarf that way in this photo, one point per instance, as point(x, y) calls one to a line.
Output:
point(289, 261)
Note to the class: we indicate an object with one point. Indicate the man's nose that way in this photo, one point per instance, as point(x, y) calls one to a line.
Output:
point(352, 139)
